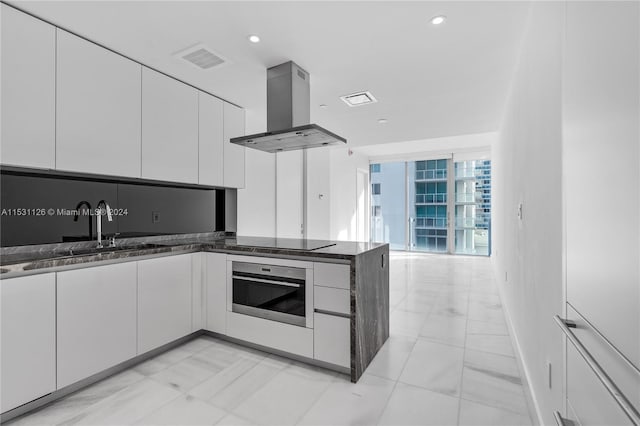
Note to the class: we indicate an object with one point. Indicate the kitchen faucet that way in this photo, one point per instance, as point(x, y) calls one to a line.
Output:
point(77, 215)
point(99, 222)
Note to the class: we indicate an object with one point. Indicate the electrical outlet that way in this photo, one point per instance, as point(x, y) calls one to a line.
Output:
point(155, 217)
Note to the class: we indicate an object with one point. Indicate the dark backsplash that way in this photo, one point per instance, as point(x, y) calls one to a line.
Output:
point(37, 209)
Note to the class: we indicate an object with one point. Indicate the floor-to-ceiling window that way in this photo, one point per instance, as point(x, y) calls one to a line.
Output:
point(435, 205)
point(472, 207)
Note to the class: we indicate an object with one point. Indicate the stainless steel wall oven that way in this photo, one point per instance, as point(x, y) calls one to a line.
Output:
point(277, 293)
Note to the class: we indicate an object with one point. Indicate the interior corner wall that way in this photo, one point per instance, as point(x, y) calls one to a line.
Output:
point(257, 202)
point(343, 171)
point(527, 170)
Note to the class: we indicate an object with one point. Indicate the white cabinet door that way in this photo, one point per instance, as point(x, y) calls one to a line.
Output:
point(210, 137)
point(332, 339)
point(96, 320)
point(28, 339)
point(233, 154)
point(97, 109)
point(169, 129)
point(28, 90)
point(216, 273)
point(164, 300)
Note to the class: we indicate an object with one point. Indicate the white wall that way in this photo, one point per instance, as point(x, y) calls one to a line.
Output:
point(343, 197)
point(527, 169)
point(257, 202)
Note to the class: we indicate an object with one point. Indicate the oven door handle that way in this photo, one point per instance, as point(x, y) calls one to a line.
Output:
point(259, 280)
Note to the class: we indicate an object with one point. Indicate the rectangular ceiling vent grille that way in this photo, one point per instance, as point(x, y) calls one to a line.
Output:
point(202, 57)
point(358, 99)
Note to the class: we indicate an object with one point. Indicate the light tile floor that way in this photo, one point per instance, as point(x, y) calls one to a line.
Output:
point(449, 361)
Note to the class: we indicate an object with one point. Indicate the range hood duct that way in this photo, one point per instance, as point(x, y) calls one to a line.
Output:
point(288, 114)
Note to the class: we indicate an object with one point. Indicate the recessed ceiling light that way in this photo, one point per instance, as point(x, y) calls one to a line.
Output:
point(437, 20)
point(254, 38)
point(324, 106)
point(382, 120)
point(358, 99)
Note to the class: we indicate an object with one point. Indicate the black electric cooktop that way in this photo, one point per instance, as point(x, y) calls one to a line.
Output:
point(280, 243)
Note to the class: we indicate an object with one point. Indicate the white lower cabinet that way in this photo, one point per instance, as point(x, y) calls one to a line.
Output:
point(216, 290)
point(96, 320)
point(28, 339)
point(164, 300)
point(332, 339)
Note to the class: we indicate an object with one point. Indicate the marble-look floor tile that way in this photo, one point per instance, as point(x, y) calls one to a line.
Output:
point(210, 387)
point(391, 358)
point(71, 405)
point(493, 380)
point(490, 343)
point(285, 398)
point(481, 327)
point(434, 366)
point(411, 405)
point(405, 323)
point(445, 329)
point(127, 406)
point(184, 410)
point(346, 403)
point(482, 313)
point(162, 361)
point(233, 420)
point(187, 373)
point(474, 414)
point(247, 384)
point(198, 344)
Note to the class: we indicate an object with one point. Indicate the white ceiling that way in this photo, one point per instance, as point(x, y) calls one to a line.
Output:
point(430, 81)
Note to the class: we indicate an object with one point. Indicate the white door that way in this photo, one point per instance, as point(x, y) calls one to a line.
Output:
point(28, 339)
point(362, 205)
point(164, 300)
point(289, 194)
point(169, 129)
point(96, 320)
point(210, 140)
point(97, 109)
point(28, 90)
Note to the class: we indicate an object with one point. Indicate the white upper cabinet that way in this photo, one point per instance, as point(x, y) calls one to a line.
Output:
point(169, 129)
point(28, 335)
point(210, 137)
point(233, 154)
point(28, 90)
point(98, 109)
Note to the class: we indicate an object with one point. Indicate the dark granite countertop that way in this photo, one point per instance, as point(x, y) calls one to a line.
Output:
point(16, 261)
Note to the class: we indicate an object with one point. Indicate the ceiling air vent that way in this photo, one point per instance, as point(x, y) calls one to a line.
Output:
point(202, 57)
point(358, 99)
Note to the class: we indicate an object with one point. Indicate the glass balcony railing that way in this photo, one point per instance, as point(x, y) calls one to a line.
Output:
point(469, 197)
point(466, 222)
point(431, 198)
point(436, 174)
point(431, 222)
point(466, 172)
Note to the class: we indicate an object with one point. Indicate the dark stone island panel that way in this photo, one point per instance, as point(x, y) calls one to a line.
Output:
point(369, 307)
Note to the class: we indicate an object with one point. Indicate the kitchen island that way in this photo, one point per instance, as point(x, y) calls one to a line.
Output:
point(346, 322)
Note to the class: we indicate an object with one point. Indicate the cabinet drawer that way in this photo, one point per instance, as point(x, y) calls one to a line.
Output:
point(331, 275)
point(331, 299)
point(332, 339)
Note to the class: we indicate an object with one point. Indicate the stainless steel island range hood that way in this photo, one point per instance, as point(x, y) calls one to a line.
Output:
point(288, 114)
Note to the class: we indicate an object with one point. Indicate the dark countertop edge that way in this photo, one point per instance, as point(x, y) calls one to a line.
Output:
point(46, 265)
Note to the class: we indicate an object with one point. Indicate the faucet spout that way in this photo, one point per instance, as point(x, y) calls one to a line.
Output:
point(99, 206)
point(76, 216)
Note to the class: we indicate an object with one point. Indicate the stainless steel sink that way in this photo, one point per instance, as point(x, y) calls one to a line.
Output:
point(124, 247)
